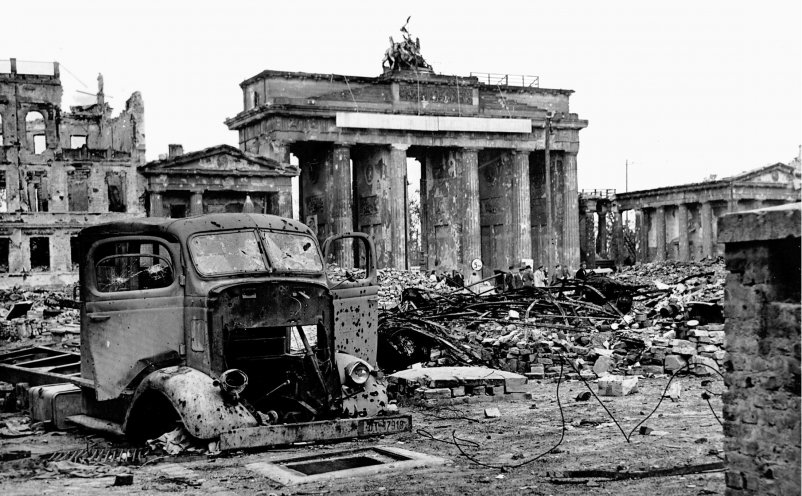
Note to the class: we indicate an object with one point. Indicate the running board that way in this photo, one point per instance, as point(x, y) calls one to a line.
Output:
point(326, 430)
point(97, 424)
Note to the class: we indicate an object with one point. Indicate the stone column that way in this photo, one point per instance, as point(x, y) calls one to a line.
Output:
point(396, 185)
point(570, 255)
point(155, 204)
point(642, 226)
point(601, 241)
point(682, 227)
point(660, 233)
point(521, 207)
point(706, 220)
point(618, 249)
point(590, 240)
point(471, 240)
point(196, 203)
point(342, 220)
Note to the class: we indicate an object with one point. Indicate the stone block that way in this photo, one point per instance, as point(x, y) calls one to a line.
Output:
point(603, 365)
point(516, 396)
point(683, 347)
point(700, 364)
point(673, 363)
point(617, 385)
point(492, 412)
point(707, 348)
point(458, 391)
point(436, 393)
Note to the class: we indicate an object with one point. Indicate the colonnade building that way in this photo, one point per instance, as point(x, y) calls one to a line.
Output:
point(482, 143)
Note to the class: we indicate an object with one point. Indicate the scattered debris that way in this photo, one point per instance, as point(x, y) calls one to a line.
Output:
point(492, 412)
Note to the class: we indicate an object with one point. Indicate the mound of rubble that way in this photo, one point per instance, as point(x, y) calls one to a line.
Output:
point(671, 319)
point(39, 314)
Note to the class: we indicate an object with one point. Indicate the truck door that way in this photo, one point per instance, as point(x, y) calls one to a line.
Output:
point(351, 270)
point(133, 310)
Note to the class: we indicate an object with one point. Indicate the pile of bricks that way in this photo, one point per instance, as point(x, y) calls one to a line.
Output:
point(455, 385)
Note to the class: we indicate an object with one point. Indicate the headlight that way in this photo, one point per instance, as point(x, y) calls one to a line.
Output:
point(357, 372)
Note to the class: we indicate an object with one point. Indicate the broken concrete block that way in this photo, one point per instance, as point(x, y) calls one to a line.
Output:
point(458, 391)
point(436, 393)
point(515, 385)
point(492, 412)
point(673, 391)
point(617, 385)
point(516, 396)
point(702, 365)
point(683, 347)
point(707, 348)
point(537, 372)
point(603, 365)
point(673, 363)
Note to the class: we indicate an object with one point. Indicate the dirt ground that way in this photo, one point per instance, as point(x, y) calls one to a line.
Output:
point(689, 435)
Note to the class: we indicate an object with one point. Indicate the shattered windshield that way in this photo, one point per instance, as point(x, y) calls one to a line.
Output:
point(288, 251)
point(226, 253)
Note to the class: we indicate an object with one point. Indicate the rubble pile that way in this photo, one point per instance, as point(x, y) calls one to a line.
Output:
point(392, 283)
point(663, 326)
point(39, 313)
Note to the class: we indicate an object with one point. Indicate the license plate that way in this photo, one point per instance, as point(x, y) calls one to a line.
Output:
point(377, 426)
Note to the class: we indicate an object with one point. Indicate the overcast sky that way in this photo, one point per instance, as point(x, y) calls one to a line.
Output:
point(681, 89)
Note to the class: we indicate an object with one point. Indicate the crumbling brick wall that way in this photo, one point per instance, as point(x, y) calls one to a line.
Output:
point(762, 402)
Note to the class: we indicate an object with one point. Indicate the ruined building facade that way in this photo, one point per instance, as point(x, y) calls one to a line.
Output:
point(59, 172)
point(218, 179)
point(486, 191)
point(680, 222)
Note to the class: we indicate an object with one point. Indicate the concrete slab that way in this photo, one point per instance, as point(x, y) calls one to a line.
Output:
point(462, 375)
point(375, 460)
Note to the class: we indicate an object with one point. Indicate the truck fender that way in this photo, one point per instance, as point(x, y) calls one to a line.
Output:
point(197, 401)
point(369, 400)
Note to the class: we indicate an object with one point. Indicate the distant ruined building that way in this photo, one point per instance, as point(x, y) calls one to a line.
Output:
point(59, 172)
point(680, 222)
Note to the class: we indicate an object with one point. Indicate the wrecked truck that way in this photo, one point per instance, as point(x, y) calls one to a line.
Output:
point(231, 324)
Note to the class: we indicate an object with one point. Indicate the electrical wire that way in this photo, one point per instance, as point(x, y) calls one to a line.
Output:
point(460, 443)
point(457, 440)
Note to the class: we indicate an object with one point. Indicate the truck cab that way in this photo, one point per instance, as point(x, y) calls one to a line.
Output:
point(228, 323)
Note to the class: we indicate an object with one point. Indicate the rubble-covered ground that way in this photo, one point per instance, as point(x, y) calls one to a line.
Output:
point(486, 455)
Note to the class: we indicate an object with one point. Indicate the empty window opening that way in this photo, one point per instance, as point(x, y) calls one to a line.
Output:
point(38, 191)
point(178, 211)
point(75, 253)
point(77, 141)
point(115, 182)
point(40, 254)
point(1, 130)
point(3, 192)
point(78, 190)
point(255, 99)
point(35, 132)
point(39, 144)
point(4, 244)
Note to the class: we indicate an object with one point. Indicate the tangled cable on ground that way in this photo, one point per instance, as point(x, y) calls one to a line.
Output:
point(460, 443)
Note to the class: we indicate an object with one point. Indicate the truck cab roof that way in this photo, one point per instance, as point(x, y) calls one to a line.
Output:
point(182, 228)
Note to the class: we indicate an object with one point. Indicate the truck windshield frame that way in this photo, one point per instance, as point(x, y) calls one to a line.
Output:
point(226, 253)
